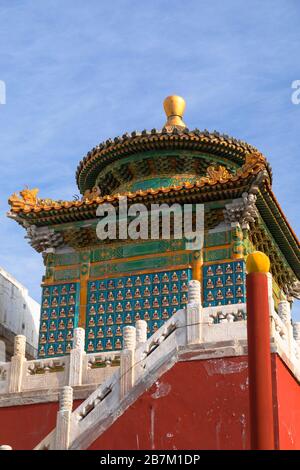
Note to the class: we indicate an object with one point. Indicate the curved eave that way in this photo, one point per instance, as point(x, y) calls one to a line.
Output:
point(279, 227)
point(212, 143)
point(187, 192)
point(269, 208)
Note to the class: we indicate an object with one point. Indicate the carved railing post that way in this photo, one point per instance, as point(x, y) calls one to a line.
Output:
point(63, 419)
point(284, 311)
point(296, 331)
point(141, 332)
point(2, 351)
point(296, 334)
point(193, 313)
point(77, 355)
point(17, 364)
point(127, 360)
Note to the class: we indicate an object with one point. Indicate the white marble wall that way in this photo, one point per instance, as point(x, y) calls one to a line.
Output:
point(19, 313)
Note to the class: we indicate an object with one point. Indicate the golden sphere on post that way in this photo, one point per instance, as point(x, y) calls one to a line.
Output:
point(257, 262)
point(174, 107)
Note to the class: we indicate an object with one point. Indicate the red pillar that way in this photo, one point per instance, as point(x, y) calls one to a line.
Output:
point(259, 357)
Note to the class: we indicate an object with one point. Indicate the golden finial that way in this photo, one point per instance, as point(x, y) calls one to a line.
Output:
point(174, 107)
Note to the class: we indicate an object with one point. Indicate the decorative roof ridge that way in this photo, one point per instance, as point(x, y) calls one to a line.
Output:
point(165, 131)
point(27, 201)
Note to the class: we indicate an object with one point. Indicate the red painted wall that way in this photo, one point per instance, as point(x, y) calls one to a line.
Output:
point(288, 397)
point(23, 427)
point(195, 405)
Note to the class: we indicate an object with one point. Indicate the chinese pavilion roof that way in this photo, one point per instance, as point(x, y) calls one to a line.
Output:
point(218, 183)
point(232, 152)
point(158, 158)
point(171, 165)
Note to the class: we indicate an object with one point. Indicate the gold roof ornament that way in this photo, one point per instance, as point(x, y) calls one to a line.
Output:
point(174, 107)
point(216, 174)
point(26, 197)
point(29, 196)
point(92, 194)
point(257, 262)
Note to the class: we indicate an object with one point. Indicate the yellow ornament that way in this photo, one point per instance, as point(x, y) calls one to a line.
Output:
point(257, 262)
point(174, 107)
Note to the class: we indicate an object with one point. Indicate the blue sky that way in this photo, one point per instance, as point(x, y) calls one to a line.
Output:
point(78, 72)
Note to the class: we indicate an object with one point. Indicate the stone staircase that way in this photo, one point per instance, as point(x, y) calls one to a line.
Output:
point(208, 331)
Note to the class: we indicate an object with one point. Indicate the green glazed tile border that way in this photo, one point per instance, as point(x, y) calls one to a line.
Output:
point(215, 255)
point(66, 259)
point(66, 274)
point(217, 238)
point(139, 265)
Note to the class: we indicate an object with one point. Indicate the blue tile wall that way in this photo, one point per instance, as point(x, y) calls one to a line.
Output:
point(115, 303)
point(59, 317)
point(224, 284)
